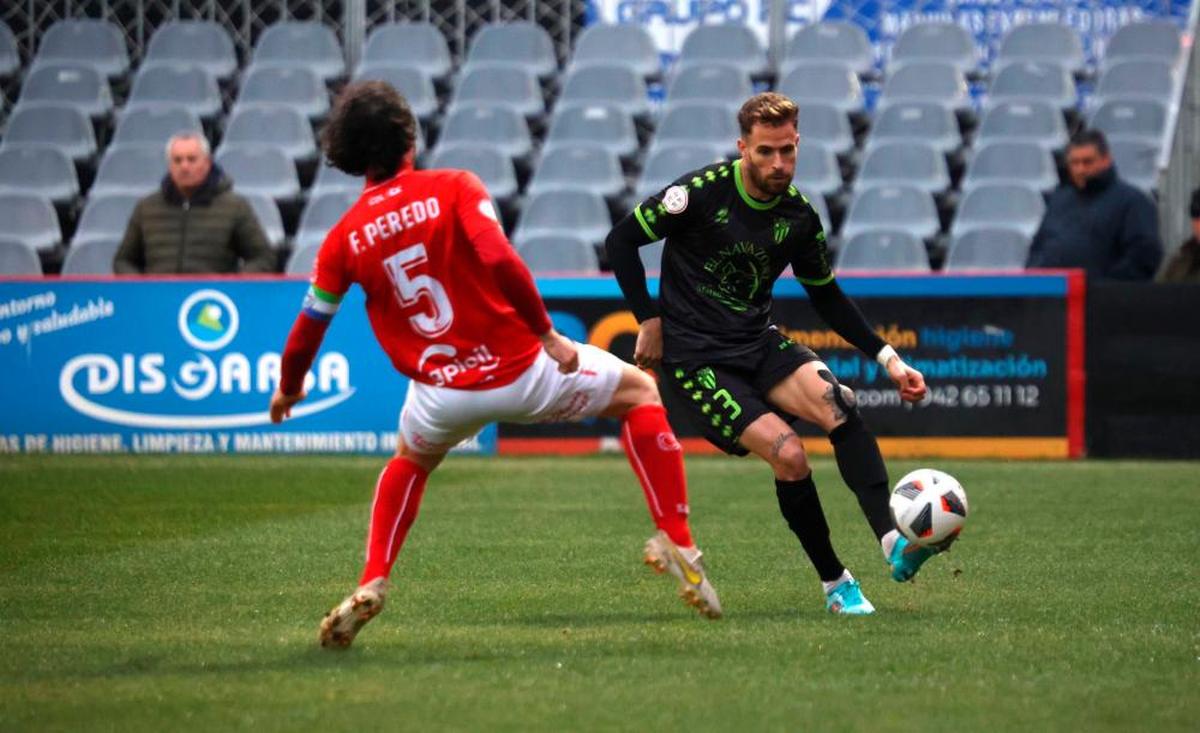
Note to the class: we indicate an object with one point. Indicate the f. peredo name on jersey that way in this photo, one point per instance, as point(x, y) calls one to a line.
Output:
point(390, 223)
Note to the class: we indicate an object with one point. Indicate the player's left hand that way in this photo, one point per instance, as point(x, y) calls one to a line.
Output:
point(909, 381)
point(281, 405)
point(562, 350)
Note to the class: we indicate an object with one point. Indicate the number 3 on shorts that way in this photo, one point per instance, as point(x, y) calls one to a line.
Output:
point(411, 287)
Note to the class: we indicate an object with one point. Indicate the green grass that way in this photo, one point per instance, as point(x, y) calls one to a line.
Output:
point(184, 593)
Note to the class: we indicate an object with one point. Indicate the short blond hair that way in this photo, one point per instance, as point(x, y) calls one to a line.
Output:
point(768, 108)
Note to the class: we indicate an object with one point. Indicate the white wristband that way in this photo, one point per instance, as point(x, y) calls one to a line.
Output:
point(885, 355)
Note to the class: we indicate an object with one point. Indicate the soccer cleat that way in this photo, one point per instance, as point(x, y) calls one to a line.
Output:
point(846, 599)
point(907, 558)
point(340, 625)
point(663, 556)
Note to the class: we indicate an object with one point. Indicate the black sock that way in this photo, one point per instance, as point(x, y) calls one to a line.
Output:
point(801, 507)
point(862, 468)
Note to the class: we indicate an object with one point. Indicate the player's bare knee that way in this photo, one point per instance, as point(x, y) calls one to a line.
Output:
point(637, 388)
point(788, 458)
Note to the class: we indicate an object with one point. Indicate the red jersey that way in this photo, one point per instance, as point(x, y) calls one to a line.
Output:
point(416, 243)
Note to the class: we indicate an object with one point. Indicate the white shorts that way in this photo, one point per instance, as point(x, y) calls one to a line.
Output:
point(435, 419)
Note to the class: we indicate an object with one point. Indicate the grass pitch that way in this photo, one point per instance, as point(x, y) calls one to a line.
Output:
point(184, 593)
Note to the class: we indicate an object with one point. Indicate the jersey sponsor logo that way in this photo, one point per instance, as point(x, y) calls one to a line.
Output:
point(742, 272)
point(675, 199)
point(446, 366)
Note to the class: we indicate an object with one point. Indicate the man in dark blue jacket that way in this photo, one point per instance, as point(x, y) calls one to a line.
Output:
point(1098, 222)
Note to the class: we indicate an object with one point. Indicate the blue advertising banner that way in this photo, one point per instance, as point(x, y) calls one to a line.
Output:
point(171, 366)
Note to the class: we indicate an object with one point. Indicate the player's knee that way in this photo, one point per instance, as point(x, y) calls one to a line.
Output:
point(638, 388)
point(791, 461)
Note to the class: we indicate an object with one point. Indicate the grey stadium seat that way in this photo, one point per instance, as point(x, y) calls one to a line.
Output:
point(69, 84)
point(300, 262)
point(731, 43)
point(154, 125)
point(817, 200)
point(559, 253)
point(514, 87)
point(714, 83)
point(619, 86)
point(261, 170)
point(817, 169)
point(927, 122)
point(838, 41)
point(321, 213)
point(414, 83)
point(492, 166)
point(202, 43)
point(1135, 79)
point(10, 56)
point(42, 170)
point(1136, 161)
point(1029, 121)
point(987, 249)
point(1033, 80)
point(272, 126)
point(105, 216)
point(18, 258)
point(604, 125)
point(666, 163)
point(624, 44)
point(1013, 205)
point(574, 212)
point(31, 219)
point(826, 125)
point(503, 128)
point(178, 86)
point(698, 122)
point(937, 41)
point(294, 86)
point(584, 167)
point(823, 82)
point(926, 81)
point(63, 127)
point(1012, 162)
point(269, 218)
point(412, 45)
point(1054, 42)
point(329, 178)
point(93, 256)
point(1155, 38)
point(306, 44)
point(913, 163)
point(94, 43)
point(892, 207)
point(136, 169)
point(1134, 119)
point(892, 250)
point(651, 256)
point(522, 44)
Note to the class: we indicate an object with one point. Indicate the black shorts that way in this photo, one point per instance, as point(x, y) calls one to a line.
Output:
point(723, 398)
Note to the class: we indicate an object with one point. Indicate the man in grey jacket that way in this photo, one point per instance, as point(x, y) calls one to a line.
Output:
point(195, 223)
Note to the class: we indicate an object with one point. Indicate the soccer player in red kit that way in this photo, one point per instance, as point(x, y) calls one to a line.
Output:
point(458, 314)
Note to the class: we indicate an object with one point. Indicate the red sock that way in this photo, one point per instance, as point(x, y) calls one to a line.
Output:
point(657, 460)
point(397, 498)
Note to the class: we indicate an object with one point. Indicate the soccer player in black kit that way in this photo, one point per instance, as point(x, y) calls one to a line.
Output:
point(731, 228)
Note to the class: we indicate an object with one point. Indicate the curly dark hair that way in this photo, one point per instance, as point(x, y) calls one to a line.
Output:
point(369, 131)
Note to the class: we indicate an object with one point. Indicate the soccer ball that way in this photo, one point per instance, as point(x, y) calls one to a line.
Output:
point(929, 507)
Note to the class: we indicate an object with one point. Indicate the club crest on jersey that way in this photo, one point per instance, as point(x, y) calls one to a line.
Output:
point(675, 199)
point(782, 227)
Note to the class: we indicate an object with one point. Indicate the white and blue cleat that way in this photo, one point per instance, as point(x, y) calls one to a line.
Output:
point(907, 558)
point(846, 599)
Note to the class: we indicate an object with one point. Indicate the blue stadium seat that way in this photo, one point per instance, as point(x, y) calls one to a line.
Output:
point(987, 250)
point(711, 83)
point(583, 167)
point(177, 86)
point(893, 250)
point(294, 86)
point(937, 41)
point(666, 163)
point(154, 125)
point(31, 219)
point(133, 169)
point(420, 46)
point(522, 44)
point(836, 41)
point(76, 85)
point(93, 256)
point(624, 44)
point(559, 253)
point(580, 213)
point(1043, 41)
point(731, 43)
point(320, 215)
point(62, 126)
point(106, 216)
point(1015, 206)
point(97, 44)
point(18, 258)
point(1012, 162)
point(604, 125)
point(40, 170)
point(301, 44)
point(611, 85)
point(892, 207)
point(823, 82)
point(202, 43)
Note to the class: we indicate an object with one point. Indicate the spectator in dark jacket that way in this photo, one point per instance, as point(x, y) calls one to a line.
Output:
point(1184, 266)
point(195, 223)
point(1098, 222)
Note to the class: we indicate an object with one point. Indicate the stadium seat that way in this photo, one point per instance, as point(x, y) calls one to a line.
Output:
point(1013, 205)
point(134, 169)
point(10, 55)
point(522, 44)
point(300, 262)
point(623, 44)
point(1033, 80)
point(604, 125)
point(926, 81)
point(301, 44)
point(31, 219)
point(329, 178)
point(893, 250)
point(614, 85)
point(1135, 79)
point(273, 126)
point(1136, 161)
point(580, 213)
point(1029, 121)
point(1048, 41)
point(63, 127)
point(92, 256)
point(817, 168)
point(826, 125)
point(294, 86)
point(987, 249)
point(817, 200)
point(18, 258)
point(420, 46)
point(927, 122)
point(699, 122)
point(666, 163)
point(320, 215)
point(40, 170)
point(836, 41)
point(492, 166)
point(413, 82)
point(733, 44)
point(154, 125)
point(559, 253)
point(1134, 119)
point(513, 87)
point(97, 44)
point(937, 41)
point(105, 216)
point(584, 167)
point(76, 85)
point(711, 83)
point(892, 207)
point(177, 86)
point(1025, 163)
point(200, 43)
point(269, 218)
point(1151, 39)
point(267, 171)
point(651, 256)
point(500, 127)
point(823, 82)
point(912, 163)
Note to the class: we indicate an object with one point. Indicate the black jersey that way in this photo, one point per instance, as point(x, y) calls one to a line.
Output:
point(724, 250)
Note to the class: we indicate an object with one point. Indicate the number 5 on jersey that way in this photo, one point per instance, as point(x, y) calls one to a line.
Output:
point(411, 286)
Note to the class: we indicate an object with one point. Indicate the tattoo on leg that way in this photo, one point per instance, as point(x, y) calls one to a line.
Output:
point(831, 397)
point(783, 438)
